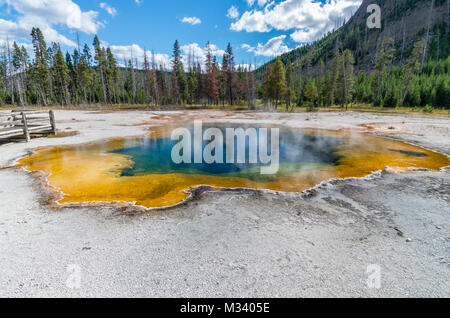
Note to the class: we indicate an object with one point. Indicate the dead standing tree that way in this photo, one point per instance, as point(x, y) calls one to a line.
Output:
point(427, 37)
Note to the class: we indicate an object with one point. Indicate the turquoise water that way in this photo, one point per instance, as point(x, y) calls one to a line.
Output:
point(298, 151)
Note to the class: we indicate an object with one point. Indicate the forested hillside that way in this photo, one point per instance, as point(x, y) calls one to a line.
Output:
point(405, 21)
point(405, 63)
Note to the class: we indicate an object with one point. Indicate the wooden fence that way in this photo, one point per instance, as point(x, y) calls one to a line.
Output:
point(23, 123)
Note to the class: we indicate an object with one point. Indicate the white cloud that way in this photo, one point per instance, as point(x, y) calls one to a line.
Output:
point(198, 53)
point(252, 21)
point(309, 19)
point(135, 52)
point(139, 2)
point(110, 10)
point(261, 3)
point(28, 46)
point(274, 47)
point(233, 13)
point(45, 15)
point(191, 20)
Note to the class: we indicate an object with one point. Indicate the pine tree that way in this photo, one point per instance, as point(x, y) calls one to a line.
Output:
point(345, 81)
point(179, 84)
point(41, 70)
point(211, 80)
point(290, 93)
point(156, 82)
point(311, 93)
point(334, 76)
point(229, 70)
point(252, 90)
point(62, 77)
point(3, 77)
point(443, 92)
point(384, 59)
point(19, 67)
point(199, 79)
point(223, 79)
point(277, 82)
point(130, 83)
point(411, 68)
point(112, 74)
point(321, 83)
point(73, 62)
point(266, 84)
point(148, 82)
point(85, 77)
point(101, 61)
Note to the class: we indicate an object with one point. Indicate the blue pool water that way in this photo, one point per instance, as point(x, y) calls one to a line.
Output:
point(297, 150)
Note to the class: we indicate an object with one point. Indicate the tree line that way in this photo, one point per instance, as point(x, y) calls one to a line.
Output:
point(92, 75)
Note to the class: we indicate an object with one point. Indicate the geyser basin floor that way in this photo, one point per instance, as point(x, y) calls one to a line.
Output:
point(120, 170)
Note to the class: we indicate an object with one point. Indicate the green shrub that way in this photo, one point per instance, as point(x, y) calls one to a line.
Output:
point(428, 109)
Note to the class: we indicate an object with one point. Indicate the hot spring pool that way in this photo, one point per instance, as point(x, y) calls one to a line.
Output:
point(140, 170)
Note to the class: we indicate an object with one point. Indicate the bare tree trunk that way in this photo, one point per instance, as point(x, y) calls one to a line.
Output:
point(135, 82)
point(41, 92)
point(103, 84)
point(404, 37)
point(19, 90)
point(345, 80)
point(84, 96)
point(438, 44)
point(22, 84)
point(448, 16)
point(427, 38)
point(11, 75)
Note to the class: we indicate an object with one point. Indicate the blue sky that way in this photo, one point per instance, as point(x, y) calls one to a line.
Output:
point(257, 29)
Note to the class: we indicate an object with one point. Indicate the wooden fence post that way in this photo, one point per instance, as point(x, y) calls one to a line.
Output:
point(52, 121)
point(25, 127)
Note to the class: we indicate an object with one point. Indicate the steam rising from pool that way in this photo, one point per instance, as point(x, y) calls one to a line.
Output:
point(298, 150)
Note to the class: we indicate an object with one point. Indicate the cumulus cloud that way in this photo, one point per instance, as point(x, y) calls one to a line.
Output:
point(274, 47)
point(309, 19)
point(191, 20)
point(124, 53)
point(198, 53)
point(110, 10)
point(45, 15)
point(233, 13)
point(28, 46)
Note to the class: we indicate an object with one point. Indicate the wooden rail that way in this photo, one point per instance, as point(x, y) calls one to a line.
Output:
point(22, 123)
